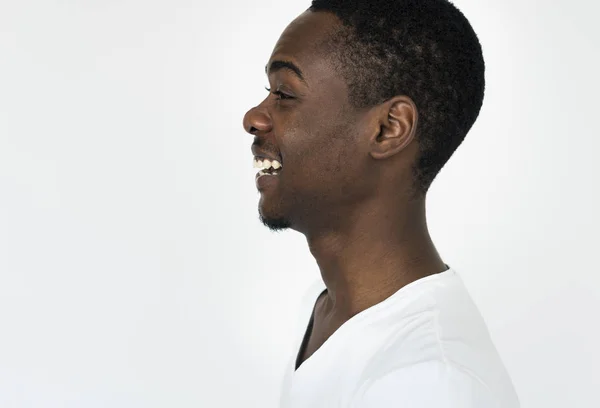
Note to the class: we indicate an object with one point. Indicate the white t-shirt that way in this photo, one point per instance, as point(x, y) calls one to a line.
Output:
point(426, 346)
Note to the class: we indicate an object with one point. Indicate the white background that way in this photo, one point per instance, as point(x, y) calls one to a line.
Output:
point(133, 269)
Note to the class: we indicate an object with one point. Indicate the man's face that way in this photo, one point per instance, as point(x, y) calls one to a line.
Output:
point(308, 124)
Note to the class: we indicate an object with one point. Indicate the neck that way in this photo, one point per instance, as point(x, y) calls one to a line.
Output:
point(378, 252)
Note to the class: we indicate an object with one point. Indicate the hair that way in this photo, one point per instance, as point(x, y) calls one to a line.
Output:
point(424, 49)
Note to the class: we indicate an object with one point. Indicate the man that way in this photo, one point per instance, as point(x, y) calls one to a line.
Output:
point(367, 101)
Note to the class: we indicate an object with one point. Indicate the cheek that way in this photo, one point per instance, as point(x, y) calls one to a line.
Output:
point(321, 145)
point(327, 153)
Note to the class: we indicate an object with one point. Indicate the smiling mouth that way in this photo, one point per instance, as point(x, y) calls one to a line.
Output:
point(267, 167)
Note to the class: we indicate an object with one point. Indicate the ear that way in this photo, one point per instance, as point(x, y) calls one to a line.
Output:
point(397, 127)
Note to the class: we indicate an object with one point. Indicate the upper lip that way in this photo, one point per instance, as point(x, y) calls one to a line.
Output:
point(264, 155)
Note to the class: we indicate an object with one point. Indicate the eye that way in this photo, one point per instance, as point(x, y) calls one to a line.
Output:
point(280, 94)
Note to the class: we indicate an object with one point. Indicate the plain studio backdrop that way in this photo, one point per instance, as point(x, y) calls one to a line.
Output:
point(133, 269)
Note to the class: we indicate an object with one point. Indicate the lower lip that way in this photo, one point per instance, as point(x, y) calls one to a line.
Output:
point(264, 180)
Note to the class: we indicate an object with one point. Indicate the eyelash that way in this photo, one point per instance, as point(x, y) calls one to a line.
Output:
point(281, 95)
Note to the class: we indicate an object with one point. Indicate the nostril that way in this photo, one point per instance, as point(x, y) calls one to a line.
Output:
point(257, 120)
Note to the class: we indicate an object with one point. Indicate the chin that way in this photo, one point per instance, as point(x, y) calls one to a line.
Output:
point(274, 223)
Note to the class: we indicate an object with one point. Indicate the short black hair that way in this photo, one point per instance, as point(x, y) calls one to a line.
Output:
point(424, 49)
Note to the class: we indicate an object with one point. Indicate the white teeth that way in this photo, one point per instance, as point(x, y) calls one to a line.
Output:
point(267, 164)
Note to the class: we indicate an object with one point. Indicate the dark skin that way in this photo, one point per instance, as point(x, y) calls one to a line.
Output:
point(346, 182)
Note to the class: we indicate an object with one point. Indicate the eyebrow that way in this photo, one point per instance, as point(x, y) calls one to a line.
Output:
point(278, 65)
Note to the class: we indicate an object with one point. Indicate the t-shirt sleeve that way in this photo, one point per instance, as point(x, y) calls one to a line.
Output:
point(432, 384)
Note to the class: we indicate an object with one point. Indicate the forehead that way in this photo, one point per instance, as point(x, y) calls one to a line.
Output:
point(302, 42)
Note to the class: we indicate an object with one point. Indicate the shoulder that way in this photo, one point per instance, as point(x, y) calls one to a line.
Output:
point(428, 384)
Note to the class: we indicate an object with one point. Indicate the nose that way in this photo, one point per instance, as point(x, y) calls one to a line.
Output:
point(257, 120)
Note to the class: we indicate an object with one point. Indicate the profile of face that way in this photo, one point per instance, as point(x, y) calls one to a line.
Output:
point(308, 124)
